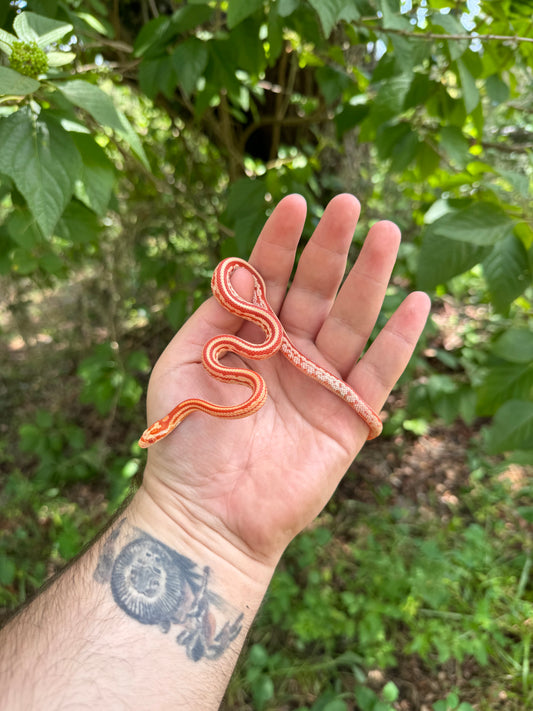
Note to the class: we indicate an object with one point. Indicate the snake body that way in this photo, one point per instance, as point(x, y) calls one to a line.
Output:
point(276, 340)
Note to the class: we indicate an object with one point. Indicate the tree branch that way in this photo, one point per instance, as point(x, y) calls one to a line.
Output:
point(428, 36)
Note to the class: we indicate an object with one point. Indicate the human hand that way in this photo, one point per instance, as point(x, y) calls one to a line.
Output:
point(256, 482)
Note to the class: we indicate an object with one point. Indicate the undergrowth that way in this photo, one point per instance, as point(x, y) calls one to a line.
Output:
point(371, 586)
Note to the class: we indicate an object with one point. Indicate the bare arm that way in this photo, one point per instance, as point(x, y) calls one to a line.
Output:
point(155, 613)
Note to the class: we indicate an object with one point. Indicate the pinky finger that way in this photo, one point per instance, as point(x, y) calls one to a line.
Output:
point(375, 375)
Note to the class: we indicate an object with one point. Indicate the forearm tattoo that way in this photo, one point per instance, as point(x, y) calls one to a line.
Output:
point(157, 586)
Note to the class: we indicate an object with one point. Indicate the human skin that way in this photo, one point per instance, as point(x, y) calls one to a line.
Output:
point(155, 612)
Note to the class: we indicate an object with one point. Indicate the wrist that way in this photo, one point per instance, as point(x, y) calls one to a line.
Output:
point(236, 574)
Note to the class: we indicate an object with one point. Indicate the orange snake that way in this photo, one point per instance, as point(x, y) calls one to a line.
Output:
point(259, 312)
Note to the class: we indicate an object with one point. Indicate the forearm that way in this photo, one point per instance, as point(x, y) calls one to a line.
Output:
point(149, 617)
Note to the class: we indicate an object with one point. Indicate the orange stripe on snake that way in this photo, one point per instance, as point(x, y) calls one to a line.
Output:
point(276, 340)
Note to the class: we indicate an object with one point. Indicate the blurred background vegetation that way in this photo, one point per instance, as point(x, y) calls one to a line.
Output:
point(143, 140)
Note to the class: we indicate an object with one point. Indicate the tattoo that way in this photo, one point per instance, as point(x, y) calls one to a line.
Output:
point(157, 586)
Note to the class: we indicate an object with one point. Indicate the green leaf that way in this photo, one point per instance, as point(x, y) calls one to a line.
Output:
point(335, 705)
point(502, 383)
point(287, 7)
point(8, 570)
point(507, 272)
point(249, 218)
point(409, 54)
point(404, 152)
point(60, 59)
point(94, 100)
point(511, 428)
point(332, 83)
point(497, 89)
point(419, 91)
point(50, 262)
point(391, 17)
point(427, 160)
point(78, 225)
point(176, 310)
point(23, 262)
point(189, 17)
point(251, 52)
point(223, 55)
point(518, 180)
point(68, 539)
point(31, 27)
point(22, 229)
point(158, 75)
point(390, 692)
point(6, 41)
point(481, 224)
point(100, 106)
point(515, 345)
point(42, 160)
point(152, 36)
point(155, 36)
point(366, 698)
point(526, 512)
point(97, 179)
point(330, 12)
point(262, 691)
point(390, 99)
point(138, 360)
point(456, 145)
point(239, 10)
point(468, 85)
point(451, 25)
point(190, 60)
point(275, 28)
point(442, 258)
point(350, 116)
point(14, 84)
point(95, 24)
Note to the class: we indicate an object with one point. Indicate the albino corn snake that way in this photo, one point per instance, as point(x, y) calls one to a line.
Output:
point(259, 312)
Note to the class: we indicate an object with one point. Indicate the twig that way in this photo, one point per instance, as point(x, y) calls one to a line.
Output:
point(506, 148)
point(427, 36)
point(153, 8)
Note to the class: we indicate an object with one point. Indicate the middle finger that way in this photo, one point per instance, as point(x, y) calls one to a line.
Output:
point(320, 269)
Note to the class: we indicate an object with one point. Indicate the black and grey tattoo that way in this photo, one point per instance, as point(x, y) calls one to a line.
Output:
point(157, 586)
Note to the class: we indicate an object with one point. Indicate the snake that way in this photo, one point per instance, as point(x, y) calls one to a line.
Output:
point(276, 340)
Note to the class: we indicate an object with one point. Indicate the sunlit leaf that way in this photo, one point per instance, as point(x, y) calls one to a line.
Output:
point(6, 41)
point(31, 27)
point(102, 108)
point(60, 59)
point(43, 162)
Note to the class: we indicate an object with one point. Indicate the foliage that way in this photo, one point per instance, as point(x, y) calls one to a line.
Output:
point(390, 586)
point(141, 142)
point(436, 116)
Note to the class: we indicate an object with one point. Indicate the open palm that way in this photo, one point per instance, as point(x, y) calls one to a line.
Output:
point(259, 480)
